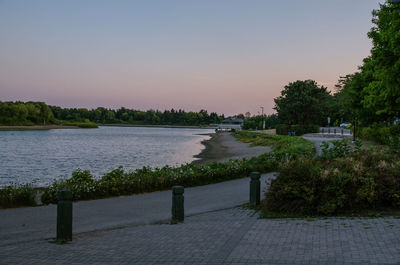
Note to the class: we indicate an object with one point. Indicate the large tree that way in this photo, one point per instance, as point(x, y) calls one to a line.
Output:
point(304, 103)
point(374, 91)
point(384, 90)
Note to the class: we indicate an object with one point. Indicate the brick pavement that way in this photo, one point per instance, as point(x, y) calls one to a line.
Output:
point(233, 236)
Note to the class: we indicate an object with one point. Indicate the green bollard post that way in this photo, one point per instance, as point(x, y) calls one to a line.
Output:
point(178, 209)
point(334, 131)
point(64, 216)
point(254, 188)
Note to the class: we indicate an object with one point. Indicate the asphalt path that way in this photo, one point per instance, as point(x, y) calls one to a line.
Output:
point(319, 138)
point(32, 223)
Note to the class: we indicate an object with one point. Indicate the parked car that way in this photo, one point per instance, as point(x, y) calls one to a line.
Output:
point(345, 125)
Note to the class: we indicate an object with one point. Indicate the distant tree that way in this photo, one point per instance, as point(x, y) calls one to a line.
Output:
point(257, 122)
point(240, 116)
point(303, 102)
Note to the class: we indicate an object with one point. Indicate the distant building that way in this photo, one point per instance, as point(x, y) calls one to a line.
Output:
point(230, 124)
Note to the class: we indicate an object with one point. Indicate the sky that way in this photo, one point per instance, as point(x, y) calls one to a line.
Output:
point(225, 56)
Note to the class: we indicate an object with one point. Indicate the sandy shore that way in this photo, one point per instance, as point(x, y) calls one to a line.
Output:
point(36, 127)
point(223, 146)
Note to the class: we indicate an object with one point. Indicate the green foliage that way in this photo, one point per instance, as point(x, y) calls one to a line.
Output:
point(394, 144)
point(38, 113)
point(283, 146)
point(16, 196)
point(304, 103)
point(137, 117)
point(373, 92)
point(356, 182)
point(358, 145)
point(83, 124)
point(29, 113)
point(118, 182)
point(256, 122)
point(340, 148)
point(379, 133)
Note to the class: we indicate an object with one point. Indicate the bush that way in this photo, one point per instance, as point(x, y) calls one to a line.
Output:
point(118, 182)
point(16, 196)
point(360, 181)
point(340, 148)
point(81, 184)
point(379, 133)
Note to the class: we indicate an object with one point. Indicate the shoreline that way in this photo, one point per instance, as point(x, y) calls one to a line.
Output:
point(223, 146)
point(36, 127)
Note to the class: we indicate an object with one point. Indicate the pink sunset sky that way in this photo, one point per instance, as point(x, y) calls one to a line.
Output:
point(226, 56)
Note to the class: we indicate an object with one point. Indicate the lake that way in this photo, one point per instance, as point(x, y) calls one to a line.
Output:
point(39, 157)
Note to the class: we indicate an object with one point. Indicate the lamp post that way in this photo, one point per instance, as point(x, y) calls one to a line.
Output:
point(262, 115)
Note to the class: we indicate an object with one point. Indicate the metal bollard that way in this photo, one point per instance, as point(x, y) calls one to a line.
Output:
point(342, 131)
point(64, 216)
point(254, 188)
point(178, 209)
point(334, 131)
point(329, 131)
point(323, 130)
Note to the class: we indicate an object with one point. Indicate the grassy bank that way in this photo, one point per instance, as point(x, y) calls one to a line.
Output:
point(80, 124)
point(85, 186)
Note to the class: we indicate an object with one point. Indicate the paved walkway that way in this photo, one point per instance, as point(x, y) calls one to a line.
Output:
point(33, 223)
point(231, 236)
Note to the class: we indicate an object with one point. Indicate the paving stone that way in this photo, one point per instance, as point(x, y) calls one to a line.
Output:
point(232, 236)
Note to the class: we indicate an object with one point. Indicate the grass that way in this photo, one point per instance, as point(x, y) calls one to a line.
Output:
point(80, 124)
point(293, 145)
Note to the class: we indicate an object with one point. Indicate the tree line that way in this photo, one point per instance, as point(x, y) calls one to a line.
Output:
point(129, 116)
point(25, 113)
point(38, 113)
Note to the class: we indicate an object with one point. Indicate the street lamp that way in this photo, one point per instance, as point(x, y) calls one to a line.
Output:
point(262, 115)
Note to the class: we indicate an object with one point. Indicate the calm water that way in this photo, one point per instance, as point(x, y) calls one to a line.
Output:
point(42, 156)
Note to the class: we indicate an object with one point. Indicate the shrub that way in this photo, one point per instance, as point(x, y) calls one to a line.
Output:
point(16, 196)
point(379, 133)
point(118, 182)
point(359, 181)
point(81, 184)
point(340, 148)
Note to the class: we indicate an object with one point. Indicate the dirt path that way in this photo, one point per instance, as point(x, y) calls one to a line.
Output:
point(223, 146)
